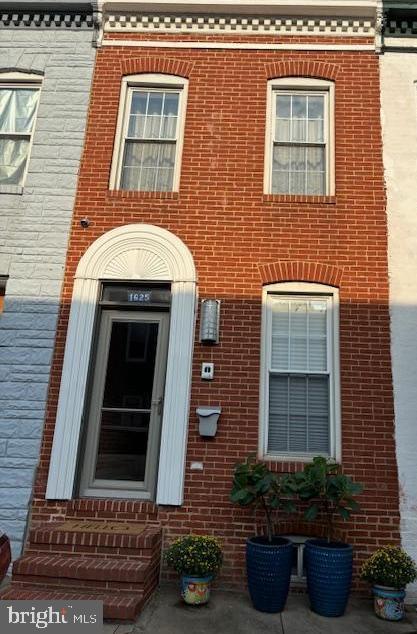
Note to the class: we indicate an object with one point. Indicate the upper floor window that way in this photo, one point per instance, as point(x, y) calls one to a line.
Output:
point(299, 153)
point(19, 98)
point(150, 132)
point(300, 402)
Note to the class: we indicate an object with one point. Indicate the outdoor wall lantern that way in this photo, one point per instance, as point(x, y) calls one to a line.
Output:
point(209, 320)
point(208, 417)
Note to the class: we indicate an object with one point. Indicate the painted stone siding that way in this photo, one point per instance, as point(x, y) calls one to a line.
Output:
point(241, 239)
point(399, 125)
point(34, 230)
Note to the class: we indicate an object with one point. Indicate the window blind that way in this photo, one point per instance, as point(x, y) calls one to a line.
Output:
point(299, 409)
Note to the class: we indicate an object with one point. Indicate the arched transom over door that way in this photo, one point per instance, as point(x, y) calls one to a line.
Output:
point(125, 260)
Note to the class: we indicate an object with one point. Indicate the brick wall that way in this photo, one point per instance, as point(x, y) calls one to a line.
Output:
point(34, 234)
point(241, 239)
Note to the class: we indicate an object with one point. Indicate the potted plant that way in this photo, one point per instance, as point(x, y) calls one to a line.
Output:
point(330, 493)
point(389, 570)
point(268, 557)
point(197, 558)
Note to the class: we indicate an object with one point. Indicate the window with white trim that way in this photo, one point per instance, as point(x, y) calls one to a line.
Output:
point(300, 385)
point(299, 143)
point(149, 133)
point(19, 98)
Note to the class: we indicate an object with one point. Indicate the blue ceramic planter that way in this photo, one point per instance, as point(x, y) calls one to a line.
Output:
point(269, 571)
point(329, 575)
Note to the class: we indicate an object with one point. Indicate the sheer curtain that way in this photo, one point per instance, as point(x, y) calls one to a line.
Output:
point(17, 115)
point(150, 144)
point(299, 146)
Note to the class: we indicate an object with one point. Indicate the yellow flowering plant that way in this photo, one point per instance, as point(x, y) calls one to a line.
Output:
point(195, 555)
point(389, 566)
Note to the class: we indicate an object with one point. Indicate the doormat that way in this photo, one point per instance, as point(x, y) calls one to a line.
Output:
point(87, 526)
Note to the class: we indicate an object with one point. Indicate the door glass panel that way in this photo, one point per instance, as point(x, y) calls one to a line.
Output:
point(131, 364)
point(127, 401)
point(122, 446)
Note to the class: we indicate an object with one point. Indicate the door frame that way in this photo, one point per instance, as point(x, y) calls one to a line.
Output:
point(132, 252)
point(95, 487)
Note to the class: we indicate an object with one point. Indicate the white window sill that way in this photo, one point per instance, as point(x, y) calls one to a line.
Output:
point(11, 189)
point(294, 457)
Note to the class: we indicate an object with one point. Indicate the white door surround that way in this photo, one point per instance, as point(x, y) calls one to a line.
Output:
point(132, 252)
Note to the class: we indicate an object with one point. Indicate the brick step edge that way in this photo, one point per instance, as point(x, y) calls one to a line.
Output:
point(100, 552)
point(123, 607)
point(87, 568)
point(52, 534)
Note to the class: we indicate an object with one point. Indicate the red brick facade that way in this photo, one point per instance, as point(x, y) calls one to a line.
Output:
point(241, 239)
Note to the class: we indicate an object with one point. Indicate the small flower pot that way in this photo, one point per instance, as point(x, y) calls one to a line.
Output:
point(389, 603)
point(195, 590)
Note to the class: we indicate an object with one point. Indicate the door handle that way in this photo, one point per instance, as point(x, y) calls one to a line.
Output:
point(158, 404)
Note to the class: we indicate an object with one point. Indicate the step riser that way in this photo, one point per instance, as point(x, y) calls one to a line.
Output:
point(97, 551)
point(91, 568)
point(82, 584)
point(124, 610)
point(97, 540)
point(57, 577)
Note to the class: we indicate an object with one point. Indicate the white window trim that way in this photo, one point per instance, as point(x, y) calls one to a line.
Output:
point(308, 289)
point(17, 79)
point(308, 85)
point(147, 80)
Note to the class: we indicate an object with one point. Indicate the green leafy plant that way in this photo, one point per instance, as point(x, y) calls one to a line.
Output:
point(195, 555)
point(389, 566)
point(255, 485)
point(326, 489)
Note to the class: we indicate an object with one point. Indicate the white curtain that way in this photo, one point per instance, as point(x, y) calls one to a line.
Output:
point(17, 114)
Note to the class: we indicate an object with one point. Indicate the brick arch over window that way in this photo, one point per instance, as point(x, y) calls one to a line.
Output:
point(302, 68)
point(297, 271)
point(150, 64)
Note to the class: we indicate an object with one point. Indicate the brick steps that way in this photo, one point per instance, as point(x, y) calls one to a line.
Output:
point(125, 607)
point(119, 568)
point(53, 534)
point(83, 571)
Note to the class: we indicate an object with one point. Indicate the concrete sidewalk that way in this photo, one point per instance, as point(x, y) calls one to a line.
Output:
point(232, 613)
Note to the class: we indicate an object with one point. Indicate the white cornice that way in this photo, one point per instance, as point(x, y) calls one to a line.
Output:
point(312, 8)
point(228, 24)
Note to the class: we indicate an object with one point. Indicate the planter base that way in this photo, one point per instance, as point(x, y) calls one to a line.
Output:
point(388, 603)
point(195, 590)
point(329, 576)
point(269, 570)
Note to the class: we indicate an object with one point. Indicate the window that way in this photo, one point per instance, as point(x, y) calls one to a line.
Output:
point(300, 402)
point(19, 97)
point(3, 282)
point(298, 569)
point(299, 137)
point(150, 131)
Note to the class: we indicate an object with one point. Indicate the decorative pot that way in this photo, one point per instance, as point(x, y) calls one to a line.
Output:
point(268, 568)
point(389, 603)
point(195, 590)
point(329, 575)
